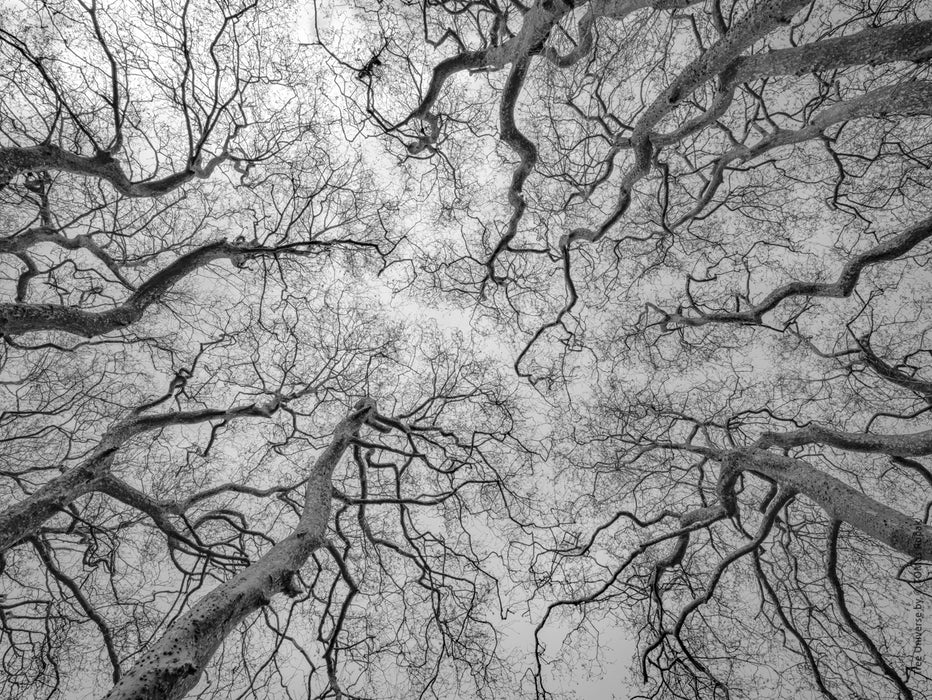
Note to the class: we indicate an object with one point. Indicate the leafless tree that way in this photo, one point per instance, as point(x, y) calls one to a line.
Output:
point(189, 267)
point(143, 97)
point(760, 435)
point(649, 103)
point(705, 252)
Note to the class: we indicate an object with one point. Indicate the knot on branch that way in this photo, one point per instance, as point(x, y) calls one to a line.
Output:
point(430, 132)
point(725, 487)
point(242, 250)
point(766, 440)
point(103, 158)
point(36, 182)
point(667, 319)
point(268, 409)
point(363, 411)
point(293, 587)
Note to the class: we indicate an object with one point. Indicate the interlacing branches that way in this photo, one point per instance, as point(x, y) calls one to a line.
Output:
point(335, 339)
point(689, 576)
point(745, 85)
point(88, 104)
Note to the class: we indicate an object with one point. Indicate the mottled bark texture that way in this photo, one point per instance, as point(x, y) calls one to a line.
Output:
point(23, 519)
point(897, 530)
point(173, 665)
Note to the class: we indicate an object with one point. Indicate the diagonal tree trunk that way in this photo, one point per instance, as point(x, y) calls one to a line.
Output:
point(174, 664)
point(23, 519)
point(25, 318)
point(19, 318)
point(897, 530)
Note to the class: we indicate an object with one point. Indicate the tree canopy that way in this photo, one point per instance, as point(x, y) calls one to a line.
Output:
point(465, 348)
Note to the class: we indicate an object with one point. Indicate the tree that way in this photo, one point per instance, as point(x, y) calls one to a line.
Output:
point(400, 502)
point(707, 113)
point(236, 271)
point(764, 442)
point(192, 262)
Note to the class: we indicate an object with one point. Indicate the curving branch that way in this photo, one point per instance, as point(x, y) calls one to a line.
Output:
point(93, 615)
point(804, 645)
point(892, 374)
point(23, 519)
point(831, 569)
point(20, 243)
point(19, 318)
point(609, 9)
point(843, 286)
point(160, 512)
point(526, 150)
point(536, 27)
point(103, 166)
point(909, 99)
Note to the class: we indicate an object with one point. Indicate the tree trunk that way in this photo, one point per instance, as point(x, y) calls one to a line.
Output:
point(16, 319)
point(173, 665)
point(24, 518)
point(102, 165)
point(895, 529)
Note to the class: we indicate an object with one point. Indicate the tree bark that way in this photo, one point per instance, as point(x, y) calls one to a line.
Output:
point(897, 530)
point(895, 445)
point(16, 319)
point(174, 664)
point(872, 46)
point(19, 318)
point(24, 518)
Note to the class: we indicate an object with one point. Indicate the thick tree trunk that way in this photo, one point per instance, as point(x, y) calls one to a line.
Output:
point(871, 46)
point(842, 502)
point(26, 517)
point(903, 445)
point(174, 664)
